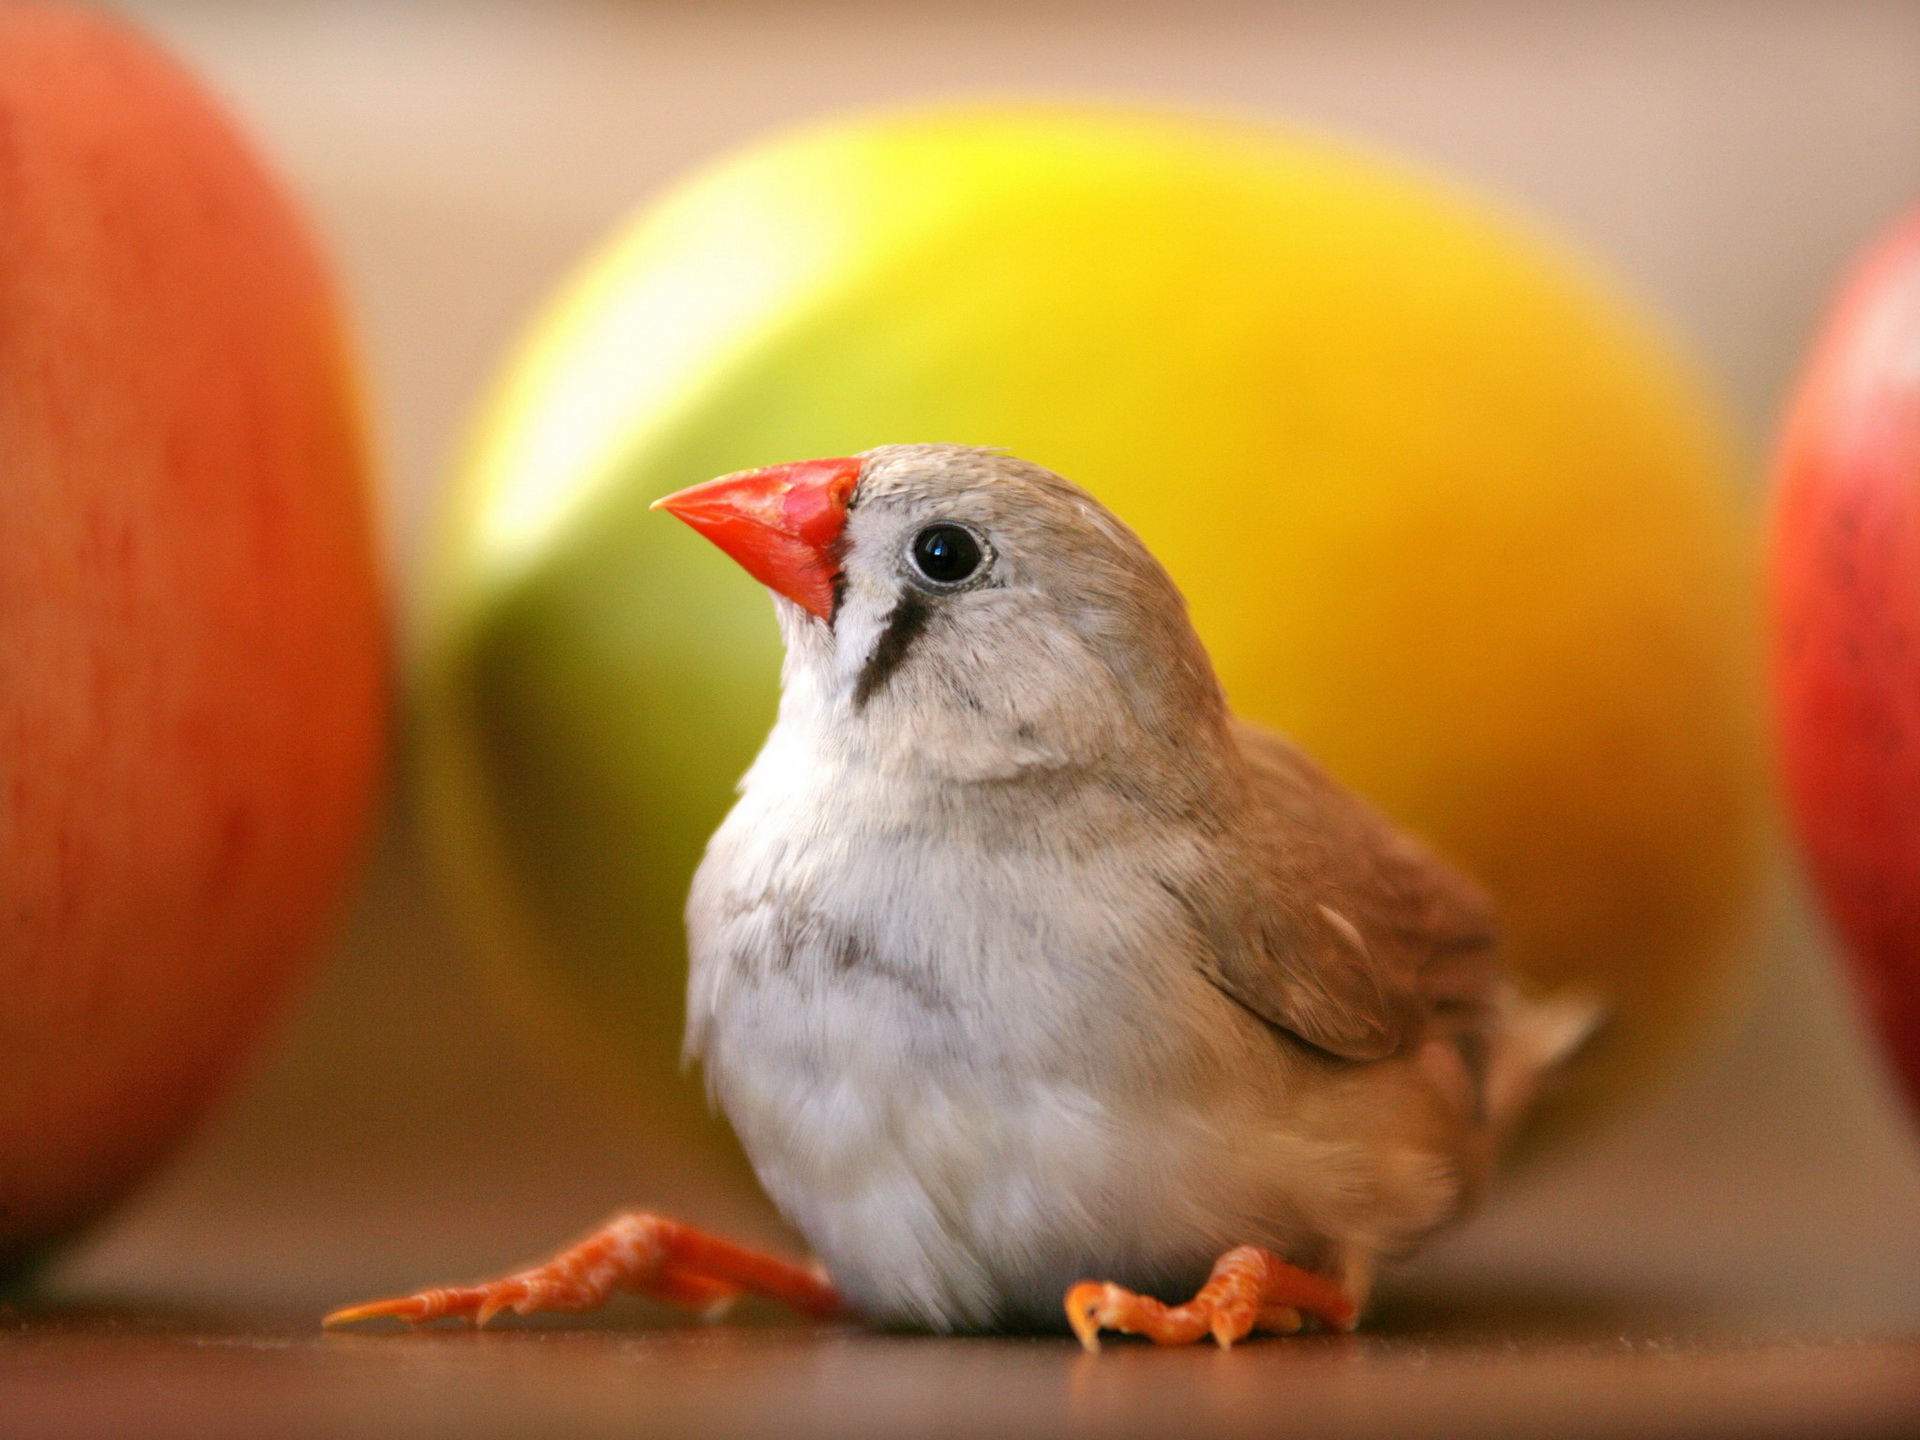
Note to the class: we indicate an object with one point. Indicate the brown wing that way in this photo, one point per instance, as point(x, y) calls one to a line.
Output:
point(1348, 933)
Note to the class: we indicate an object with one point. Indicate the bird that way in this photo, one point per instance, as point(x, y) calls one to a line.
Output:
point(1042, 992)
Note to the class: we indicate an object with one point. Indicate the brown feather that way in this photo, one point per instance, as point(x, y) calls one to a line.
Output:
point(1355, 935)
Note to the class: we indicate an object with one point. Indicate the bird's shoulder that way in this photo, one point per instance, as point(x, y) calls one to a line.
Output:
point(1316, 831)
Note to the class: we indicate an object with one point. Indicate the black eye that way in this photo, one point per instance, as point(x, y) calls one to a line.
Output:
point(946, 554)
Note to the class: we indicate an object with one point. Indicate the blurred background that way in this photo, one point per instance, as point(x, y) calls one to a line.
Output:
point(1723, 159)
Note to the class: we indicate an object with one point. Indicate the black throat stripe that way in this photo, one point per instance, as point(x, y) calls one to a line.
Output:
point(903, 627)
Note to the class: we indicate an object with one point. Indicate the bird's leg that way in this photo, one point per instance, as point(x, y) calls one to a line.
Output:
point(1249, 1289)
point(645, 1254)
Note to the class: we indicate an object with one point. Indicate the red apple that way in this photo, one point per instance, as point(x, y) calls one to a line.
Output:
point(1846, 600)
point(192, 641)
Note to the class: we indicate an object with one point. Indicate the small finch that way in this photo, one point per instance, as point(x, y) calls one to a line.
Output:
point(1039, 988)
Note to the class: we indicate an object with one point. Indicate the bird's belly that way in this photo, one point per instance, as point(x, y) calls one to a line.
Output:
point(949, 1186)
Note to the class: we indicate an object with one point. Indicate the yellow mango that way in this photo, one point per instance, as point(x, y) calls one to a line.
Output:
point(1447, 510)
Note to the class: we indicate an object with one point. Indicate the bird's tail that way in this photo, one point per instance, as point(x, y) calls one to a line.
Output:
point(1535, 1037)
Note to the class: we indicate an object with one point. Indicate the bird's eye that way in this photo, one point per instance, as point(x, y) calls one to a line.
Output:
point(946, 554)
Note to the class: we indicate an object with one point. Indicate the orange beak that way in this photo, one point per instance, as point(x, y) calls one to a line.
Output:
point(781, 524)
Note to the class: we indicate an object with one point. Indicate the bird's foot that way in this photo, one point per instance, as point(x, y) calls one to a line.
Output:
point(1249, 1289)
point(645, 1254)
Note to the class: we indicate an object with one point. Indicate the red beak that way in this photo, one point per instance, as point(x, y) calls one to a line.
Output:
point(779, 523)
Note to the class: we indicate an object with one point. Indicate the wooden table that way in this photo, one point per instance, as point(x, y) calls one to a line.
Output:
point(1552, 1372)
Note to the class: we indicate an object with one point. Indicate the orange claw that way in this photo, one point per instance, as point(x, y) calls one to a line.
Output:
point(1249, 1289)
point(410, 1308)
point(646, 1254)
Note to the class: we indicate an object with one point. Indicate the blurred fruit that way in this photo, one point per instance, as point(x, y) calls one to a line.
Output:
point(1445, 509)
point(192, 645)
point(1846, 613)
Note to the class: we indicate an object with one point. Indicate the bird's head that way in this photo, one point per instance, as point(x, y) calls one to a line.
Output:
point(957, 604)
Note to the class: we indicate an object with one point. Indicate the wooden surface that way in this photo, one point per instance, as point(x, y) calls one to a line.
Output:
point(113, 1373)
